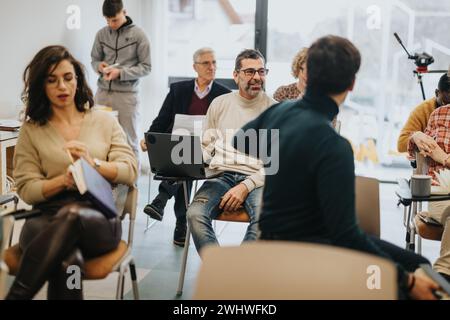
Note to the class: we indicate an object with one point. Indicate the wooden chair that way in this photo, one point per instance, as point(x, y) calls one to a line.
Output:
point(293, 271)
point(119, 260)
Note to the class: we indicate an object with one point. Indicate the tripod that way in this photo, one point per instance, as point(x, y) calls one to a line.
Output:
point(419, 75)
point(422, 62)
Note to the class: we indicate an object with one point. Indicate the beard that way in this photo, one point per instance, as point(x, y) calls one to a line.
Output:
point(253, 92)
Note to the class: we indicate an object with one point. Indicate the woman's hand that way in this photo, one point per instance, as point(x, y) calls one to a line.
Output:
point(68, 181)
point(79, 150)
point(438, 155)
point(425, 143)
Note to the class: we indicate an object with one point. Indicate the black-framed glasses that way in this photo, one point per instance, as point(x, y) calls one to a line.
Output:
point(207, 63)
point(250, 72)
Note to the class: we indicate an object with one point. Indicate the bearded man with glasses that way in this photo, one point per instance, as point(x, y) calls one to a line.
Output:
point(240, 186)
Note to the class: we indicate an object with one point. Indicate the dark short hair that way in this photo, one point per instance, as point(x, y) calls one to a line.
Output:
point(332, 65)
point(247, 54)
point(111, 8)
point(444, 83)
point(38, 109)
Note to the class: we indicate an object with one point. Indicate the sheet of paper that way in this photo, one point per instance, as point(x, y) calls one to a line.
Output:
point(188, 125)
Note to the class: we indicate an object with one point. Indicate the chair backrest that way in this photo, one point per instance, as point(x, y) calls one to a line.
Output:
point(293, 271)
point(367, 204)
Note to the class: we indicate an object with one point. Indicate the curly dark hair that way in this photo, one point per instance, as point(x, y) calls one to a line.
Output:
point(38, 109)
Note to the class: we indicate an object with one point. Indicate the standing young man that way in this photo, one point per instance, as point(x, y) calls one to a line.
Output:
point(121, 56)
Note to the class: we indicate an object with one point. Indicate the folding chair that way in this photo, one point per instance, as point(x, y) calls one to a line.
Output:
point(293, 271)
point(119, 260)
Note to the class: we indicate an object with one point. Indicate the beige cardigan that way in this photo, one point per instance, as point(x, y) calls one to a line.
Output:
point(39, 153)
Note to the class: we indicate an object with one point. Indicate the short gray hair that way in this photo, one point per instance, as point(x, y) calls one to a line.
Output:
point(201, 52)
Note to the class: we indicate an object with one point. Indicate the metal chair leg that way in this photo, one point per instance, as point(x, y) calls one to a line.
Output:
point(408, 228)
point(184, 262)
point(419, 244)
point(134, 282)
point(123, 287)
point(120, 280)
point(186, 243)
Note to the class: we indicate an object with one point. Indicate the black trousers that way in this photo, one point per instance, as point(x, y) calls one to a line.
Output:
point(56, 240)
point(168, 190)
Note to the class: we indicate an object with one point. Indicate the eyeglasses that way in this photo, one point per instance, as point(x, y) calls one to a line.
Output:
point(207, 63)
point(250, 72)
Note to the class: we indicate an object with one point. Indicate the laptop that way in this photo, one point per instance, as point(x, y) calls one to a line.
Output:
point(177, 156)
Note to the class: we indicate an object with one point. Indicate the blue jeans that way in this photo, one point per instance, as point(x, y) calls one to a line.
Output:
point(205, 207)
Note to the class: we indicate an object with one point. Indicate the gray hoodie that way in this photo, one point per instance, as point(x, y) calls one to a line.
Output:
point(128, 46)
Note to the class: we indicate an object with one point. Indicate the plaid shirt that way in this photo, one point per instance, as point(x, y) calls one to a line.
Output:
point(439, 129)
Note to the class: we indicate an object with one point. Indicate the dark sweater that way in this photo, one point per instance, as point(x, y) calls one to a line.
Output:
point(312, 197)
point(198, 106)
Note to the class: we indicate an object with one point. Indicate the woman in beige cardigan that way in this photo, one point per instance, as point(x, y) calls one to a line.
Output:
point(60, 127)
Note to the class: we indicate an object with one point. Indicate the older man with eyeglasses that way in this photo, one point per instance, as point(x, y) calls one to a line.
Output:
point(191, 97)
point(240, 186)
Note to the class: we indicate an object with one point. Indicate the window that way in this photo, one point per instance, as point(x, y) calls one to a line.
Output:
point(227, 26)
point(386, 90)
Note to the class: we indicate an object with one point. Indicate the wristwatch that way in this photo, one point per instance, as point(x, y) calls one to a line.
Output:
point(97, 163)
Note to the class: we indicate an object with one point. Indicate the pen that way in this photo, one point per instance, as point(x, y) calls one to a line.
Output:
point(111, 66)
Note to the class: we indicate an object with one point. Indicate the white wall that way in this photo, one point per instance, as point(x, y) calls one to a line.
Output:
point(26, 26)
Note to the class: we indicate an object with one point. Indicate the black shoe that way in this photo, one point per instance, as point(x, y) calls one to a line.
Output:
point(179, 234)
point(155, 209)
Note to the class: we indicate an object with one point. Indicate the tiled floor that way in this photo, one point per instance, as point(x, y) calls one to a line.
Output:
point(158, 260)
